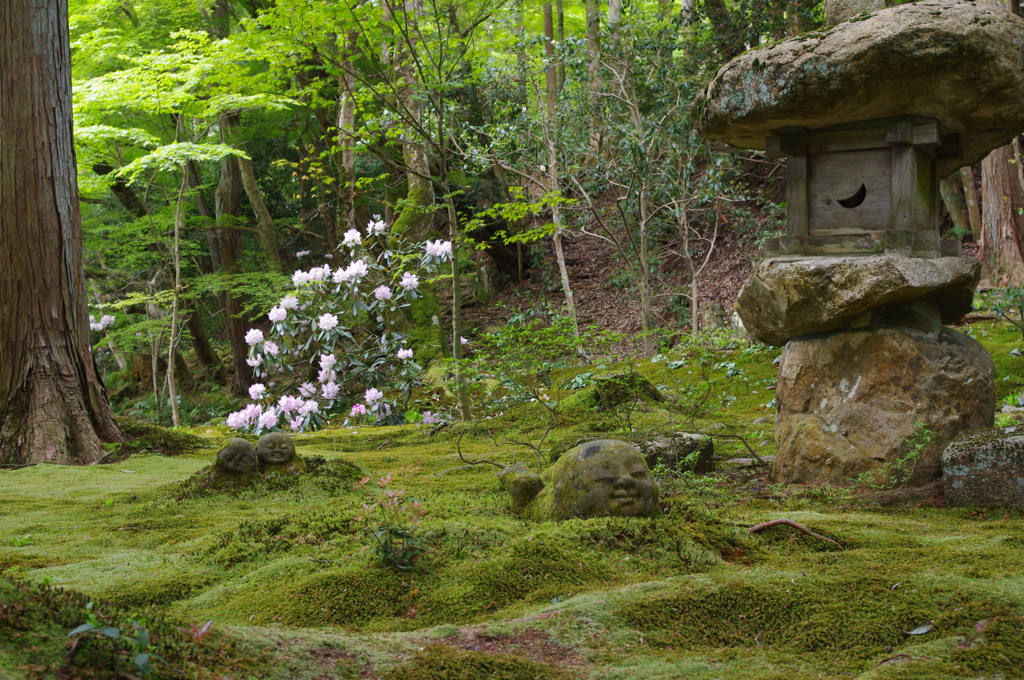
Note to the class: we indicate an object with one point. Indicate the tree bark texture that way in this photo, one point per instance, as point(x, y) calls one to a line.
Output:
point(228, 200)
point(1002, 200)
point(53, 406)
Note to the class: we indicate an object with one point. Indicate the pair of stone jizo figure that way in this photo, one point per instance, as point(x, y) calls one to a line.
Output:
point(273, 452)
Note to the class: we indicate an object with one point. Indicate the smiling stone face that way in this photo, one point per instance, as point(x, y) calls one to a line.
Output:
point(275, 448)
point(238, 457)
point(615, 483)
point(604, 478)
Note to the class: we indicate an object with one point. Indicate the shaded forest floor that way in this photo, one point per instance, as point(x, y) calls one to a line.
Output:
point(288, 575)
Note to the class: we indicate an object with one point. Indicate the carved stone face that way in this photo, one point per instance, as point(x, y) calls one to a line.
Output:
point(275, 448)
point(238, 457)
point(615, 484)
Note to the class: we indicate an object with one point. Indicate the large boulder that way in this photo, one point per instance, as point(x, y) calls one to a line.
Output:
point(848, 401)
point(787, 297)
point(985, 469)
point(959, 62)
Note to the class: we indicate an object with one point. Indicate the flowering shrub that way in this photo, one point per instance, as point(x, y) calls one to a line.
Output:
point(333, 347)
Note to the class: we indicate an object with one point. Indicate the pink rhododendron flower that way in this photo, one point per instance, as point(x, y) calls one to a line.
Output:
point(439, 248)
point(296, 423)
point(409, 281)
point(377, 226)
point(463, 341)
point(382, 293)
point(310, 406)
point(405, 353)
point(300, 277)
point(268, 419)
point(372, 395)
point(288, 403)
point(429, 418)
point(327, 360)
point(327, 321)
point(271, 348)
point(289, 302)
point(352, 238)
point(307, 389)
point(302, 253)
point(253, 336)
point(358, 268)
point(255, 361)
point(256, 391)
point(330, 390)
point(357, 411)
point(277, 314)
point(235, 420)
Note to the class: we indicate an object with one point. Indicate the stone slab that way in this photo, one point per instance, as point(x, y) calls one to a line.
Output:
point(788, 297)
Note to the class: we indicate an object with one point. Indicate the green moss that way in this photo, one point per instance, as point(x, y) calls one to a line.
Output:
point(143, 436)
point(444, 663)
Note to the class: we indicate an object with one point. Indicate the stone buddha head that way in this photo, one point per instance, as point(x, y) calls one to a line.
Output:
point(238, 457)
point(275, 448)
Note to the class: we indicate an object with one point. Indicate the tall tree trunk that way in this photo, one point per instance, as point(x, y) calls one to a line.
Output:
point(413, 220)
point(53, 406)
point(560, 24)
point(594, 74)
point(172, 345)
point(550, 137)
point(228, 200)
point(346, 129)
point(1002, 200)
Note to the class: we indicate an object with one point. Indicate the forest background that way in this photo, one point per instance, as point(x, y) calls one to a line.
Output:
point(225, 144)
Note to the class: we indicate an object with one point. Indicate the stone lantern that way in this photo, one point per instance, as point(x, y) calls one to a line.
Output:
point(869, 114)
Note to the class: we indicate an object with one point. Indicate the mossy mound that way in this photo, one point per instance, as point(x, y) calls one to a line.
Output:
point(333, 476)
point(438, 662)
point(844, 620)
point(142, 436)
point(35, 621)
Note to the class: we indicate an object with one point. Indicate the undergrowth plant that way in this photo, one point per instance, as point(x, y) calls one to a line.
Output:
point(526, 361)
point(391, 525)
point(335, 346)
point(896, 473)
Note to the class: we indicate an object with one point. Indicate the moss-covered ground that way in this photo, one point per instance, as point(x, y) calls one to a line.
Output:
point(289, 576)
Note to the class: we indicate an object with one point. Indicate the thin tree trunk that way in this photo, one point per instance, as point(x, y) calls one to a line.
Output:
point(265, 231)
point(646, 315)
point(205, 211)
point(561, 38)
point(465, 404)
point(594, 74)
point(53, 406)
point(413, 220)
point(973, 202)
point(550, 136)
point(1001, 203)
point(952, 190)
point(172, 345)
point(346, 128)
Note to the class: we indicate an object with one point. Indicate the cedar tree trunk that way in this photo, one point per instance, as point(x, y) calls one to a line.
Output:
point(53, 406)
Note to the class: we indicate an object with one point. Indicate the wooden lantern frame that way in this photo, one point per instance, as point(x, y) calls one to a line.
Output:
point(866, 187)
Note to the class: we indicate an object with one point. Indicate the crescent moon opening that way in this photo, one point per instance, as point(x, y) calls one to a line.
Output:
point(856, 199)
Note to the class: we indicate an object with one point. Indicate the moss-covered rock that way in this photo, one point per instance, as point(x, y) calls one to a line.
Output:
point(985, 469)
point(604, 478)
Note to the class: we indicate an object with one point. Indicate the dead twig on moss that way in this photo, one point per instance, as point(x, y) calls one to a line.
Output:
point(740, 437)
point(790, 523)
point(458, 448)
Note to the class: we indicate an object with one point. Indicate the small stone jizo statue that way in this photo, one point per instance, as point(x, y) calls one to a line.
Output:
point(604, 478)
